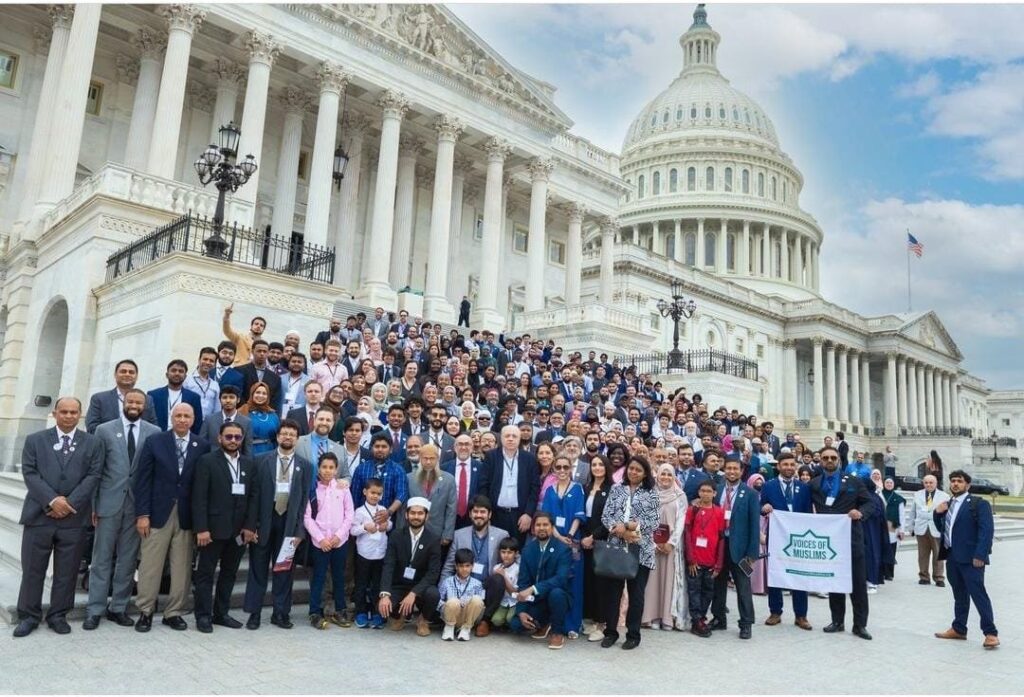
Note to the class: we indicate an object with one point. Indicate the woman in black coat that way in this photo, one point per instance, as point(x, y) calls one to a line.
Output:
point(594, 529)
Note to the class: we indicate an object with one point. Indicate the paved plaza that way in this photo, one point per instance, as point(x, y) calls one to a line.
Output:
point(305, 661)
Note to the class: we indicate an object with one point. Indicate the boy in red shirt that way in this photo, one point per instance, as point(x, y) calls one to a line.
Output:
point(705, 555)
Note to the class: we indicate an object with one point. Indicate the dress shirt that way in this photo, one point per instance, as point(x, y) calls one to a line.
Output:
point(173, 400)
point(415, 537)
point(508, 497)
point(207, 389)
point(293, 388)
point(124, 427)
point(955, 504)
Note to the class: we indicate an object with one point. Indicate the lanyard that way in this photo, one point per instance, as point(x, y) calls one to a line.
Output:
point(198, 381)
point(235, 470)
point(701, 520)
point(510, 465)
point(479, 546)
point(455, 587)
point(170, 404)
point(353, 461)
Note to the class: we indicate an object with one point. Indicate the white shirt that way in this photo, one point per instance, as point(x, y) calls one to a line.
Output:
point(509, 495)
point(951, 516)
point(208, 390)
point(415, 537)
point(124, 428)
point(173, 400)
point(234, 468)
point(293, 388)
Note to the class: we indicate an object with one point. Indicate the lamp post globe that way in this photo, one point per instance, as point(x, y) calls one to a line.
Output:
point(679, 309)
point(216, 164)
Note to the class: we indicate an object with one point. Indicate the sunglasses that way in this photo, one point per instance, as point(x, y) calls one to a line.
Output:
point(561, 467)
point(232, 437)
point(829, 458)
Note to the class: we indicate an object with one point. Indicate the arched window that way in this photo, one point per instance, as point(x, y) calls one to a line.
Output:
point(721, 111)
point(777, 259)
point(693, 111)
point(709, 249)
point(760, 183)
point(640, 186)
point(774, 190)
point(654, 119)
point(746, 114)
point(690, 249)
point(664, 117)
point(655, 183)
point(673, 181)
point(707, 111)
point(728, 178)
point(709, 179)
point(735, 114)
point(746, 181)
point(679, 114)
point(691, 179)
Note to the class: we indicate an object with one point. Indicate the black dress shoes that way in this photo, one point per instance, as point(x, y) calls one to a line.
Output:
point(24, 628)
point(144, 623)
point(834, 627)
point(59, 625)
point(282, 621)
point(630, 644)
point(254, 621)
point(121, 619)
point(176, 623)
point(91, 622)
point(608, 642)
point(744, 632)
point(204, 625)
point(862, 633)
point(227, 621)
point(718, 624)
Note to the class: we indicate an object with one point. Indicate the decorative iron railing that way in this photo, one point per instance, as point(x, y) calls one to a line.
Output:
point(694, 361)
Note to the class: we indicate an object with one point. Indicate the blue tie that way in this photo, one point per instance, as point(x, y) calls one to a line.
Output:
point(789, 494)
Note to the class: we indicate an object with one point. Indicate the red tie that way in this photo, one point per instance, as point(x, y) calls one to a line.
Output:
point(463, 502)
point(311, 421)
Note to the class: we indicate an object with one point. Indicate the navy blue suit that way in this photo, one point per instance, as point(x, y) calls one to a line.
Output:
point(157, 485)
point(774, 494)
point(548, 573)
point(160, 399)
point(695, 479)
point(743, 539)
point(231, 376)
point(527, 488)
point(971, 539)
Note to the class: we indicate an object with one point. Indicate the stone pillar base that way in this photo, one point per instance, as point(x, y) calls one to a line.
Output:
point(485, 318)
point(439, 310)
point(378, 295)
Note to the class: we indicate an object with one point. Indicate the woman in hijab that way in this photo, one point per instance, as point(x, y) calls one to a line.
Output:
point(379, 395)
point(665, 588)
point(759, 577)
point(895, 507)
point(875, 536)
point(374, 351)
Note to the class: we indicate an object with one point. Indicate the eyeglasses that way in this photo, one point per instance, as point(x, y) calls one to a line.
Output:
point(558, 468)
point(232, 436)
point(829, 458)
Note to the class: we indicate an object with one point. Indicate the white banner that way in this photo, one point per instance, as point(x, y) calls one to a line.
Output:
point(809, 552)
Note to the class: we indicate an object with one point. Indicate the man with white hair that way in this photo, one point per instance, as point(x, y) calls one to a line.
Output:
point(930, 567)
point(411, 571)
point(511, 481)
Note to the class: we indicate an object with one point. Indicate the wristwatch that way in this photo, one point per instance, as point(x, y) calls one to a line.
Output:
point(384, 594)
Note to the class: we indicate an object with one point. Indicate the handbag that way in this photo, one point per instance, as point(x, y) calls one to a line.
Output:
point(661, 534)
point(615, 561)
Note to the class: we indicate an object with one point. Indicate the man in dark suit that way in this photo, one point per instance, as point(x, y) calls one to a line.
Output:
point(224, 372)
point(229, 402)
point(543, 584)
point(334, 332)
point(511, 481)
point(786, 493)
point(464, 308)
point(967, 528)
point(743, 537)
point(468, 474)
point(436, 434)
point(61, 467)
point(411, 571)
point(223, 495)
point(388, 371)
point(379, 324)
point(833, 493)
point(162, 490)
point(305, 415)
point(106, 406)
point(351, 358)
point(167, 397)
point(712, 463)
point(281, 483)
point(774, 444)
point(260, 370)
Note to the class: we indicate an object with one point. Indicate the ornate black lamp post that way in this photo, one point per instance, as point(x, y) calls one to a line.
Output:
point(216, 165)
point(995, 447)
point(679, 309)
point(340, 163)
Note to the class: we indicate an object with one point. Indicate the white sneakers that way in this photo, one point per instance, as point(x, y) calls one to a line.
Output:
point(464, 634)
point(449, 632)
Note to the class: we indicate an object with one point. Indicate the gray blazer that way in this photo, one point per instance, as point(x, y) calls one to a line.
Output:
point(211, 430)
point(464, 540)
point(447, 445)
point(304, 449)
point(266, 493)
point(441, 520)
point(114, 492)
point(106, 406)
point(49, 473)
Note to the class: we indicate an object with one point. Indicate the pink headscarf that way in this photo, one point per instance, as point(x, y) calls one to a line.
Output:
point(754, 477)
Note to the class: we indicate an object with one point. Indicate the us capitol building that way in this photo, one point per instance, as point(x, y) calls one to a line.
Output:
point(460, 176)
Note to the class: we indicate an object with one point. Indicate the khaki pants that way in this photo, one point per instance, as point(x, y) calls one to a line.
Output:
point(928, 547)
point(463, 616)
point(170, 539)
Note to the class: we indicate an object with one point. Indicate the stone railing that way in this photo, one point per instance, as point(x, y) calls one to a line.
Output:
point(586, 152)
point(575, 314)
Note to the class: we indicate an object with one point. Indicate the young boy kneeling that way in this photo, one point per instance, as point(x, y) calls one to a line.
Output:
point(462, 598)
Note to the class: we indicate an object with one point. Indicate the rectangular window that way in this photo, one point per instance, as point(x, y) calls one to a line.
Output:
point(478, 229)
point(655, 321)
point(303, 172)
point(94, 102)
point(520, 238)
point(556, 252)
point(739, 346)
point(760, 350)
point(8, 68)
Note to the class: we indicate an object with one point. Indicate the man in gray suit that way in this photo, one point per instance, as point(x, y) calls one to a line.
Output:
point(61, 467)
point(210, 432)
point(106, 406)
point(438, 487)
point(482, 539)
point(114, 514)
point(436, 434)
point(310, 446)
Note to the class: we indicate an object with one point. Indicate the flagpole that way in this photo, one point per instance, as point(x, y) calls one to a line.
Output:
point(910, 307)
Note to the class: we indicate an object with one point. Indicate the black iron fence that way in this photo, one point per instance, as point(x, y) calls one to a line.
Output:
point(245, 246)
point(959, 432)
point(696, 361)
point(1005, 442)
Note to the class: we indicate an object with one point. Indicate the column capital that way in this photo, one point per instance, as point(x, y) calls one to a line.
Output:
point(609, 225)
point(788, 343)
point(448, 127)
point(841, 348)
point(127, 69)
point(410, 146)
point(354, 124)
point(575, 211)
point(393, 103)
point(294, 101)
point(201, 97)
point(540, 169)
point(42, 36)
point(331, 78)
point(262, 47)
point(424, 177)
point(61, 15)
point(817, 340)
point(228, 72)
point(185, 18)
point(497, 149)
point(852, 351)
point(149, 43)
point(746, 226)
point(891, 355)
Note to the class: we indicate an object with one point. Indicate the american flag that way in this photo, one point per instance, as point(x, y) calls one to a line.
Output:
point(914, 246)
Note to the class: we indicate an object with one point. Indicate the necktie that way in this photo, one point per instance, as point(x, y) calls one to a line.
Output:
point(395, 440)
point(463, 502)
point(948, 532)
point(311, 414)
point(928, 499)
point(789, 493)
point(66, 447)
point(131, 442)
point(182, 445)
point(281, 500)
point(321, 448)
point(728, 503)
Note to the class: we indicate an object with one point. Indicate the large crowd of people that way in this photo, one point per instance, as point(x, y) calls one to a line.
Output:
point(465, 482)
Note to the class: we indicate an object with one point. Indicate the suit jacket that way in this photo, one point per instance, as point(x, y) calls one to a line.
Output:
point(214, 508)
point(425, 559)
point(300, 416)
point(922, 516)
point(323, 336)
point(48, 473)
point(528, 489)
point(594, 526)
point(114, 492)
point(158, 485)
point(972, 539)
point(744, 522)
point(464, 540)
point(105, 406)
point(352, 366)
point(393, 371)
point(773, 494)
point(544, 571)
point(231, 376)
point(304, 449)
point(447, 444)
point(441, 520)
point(397, 451)
point(852, 494)
point(265, 494)
point(695, 479)
point(211, 430)
point(250, 377)
point(159, 398)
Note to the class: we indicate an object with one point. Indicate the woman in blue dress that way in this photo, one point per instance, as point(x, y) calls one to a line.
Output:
point(263, 420)
point(565, 501)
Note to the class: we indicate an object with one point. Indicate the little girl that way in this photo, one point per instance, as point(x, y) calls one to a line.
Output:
point(328, 519)
point(508, 551)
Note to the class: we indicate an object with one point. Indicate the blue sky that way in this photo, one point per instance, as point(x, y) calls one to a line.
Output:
point(898, 116)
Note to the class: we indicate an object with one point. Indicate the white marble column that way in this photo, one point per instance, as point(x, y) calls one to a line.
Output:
point(295, 102)
point(815, 256)
point(64, 138)
point(954, 401)
point(700, 255)
point(343, 237)
point(150, 45)
point(784, 251)
point(865, 390)
point(830, 381)
point(574, 254)
point(230, 77)
point(435, 302)
point(854, 357)
point(636, 235)
point(375, 290)
point(657, 244)
point(843, 399)
point(937, 398)
point(263, 50)
point(766, 251)
point(331, 80)
point(901, 390)
point(890, 394)
point(922, 403)
point(721, 257)
point(818, 394)
point(912, 411)
point(182, 22)
point(790, 382)
point(608, 228)
point(456, 279)
point(929, 397)
point(536, 248)
point(485, 314)
point(409, 148)
point(679, 248)
point(743, 251)
point(798, 259)
point(947, 413)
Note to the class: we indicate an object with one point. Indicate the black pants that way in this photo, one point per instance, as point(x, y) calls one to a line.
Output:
point(508, 519)
point(859, 595)
point(889, 562)
point(228, 554)
point(594, 589)
point(463, 319)
point(261, 558)
point(744, 598)
point(367, 584)
point(38, 542)
point(425, 603)
point(700, 591)
point(494, 591)
point(635, 609)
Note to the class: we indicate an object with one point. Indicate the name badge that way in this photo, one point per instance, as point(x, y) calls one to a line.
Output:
point(728, 515)
point(829, 500)
point(283, 487)
point(478, 568)
point(238, 489)
point(409, 574)
point(560, 521)
point(702, 542)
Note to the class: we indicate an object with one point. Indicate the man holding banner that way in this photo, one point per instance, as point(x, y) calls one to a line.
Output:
point(742, 540)
point(786, 493)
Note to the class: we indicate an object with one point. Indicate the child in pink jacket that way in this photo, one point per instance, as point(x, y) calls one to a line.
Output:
point(328, 519)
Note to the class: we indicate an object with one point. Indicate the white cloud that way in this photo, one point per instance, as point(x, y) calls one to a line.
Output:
point(925, 85)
